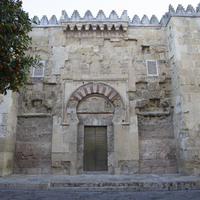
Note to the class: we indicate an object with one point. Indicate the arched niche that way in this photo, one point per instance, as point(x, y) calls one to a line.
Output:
point(96, 110)
point(91, 89)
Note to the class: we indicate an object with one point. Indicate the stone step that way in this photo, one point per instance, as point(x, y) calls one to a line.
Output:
point(125, 186)
point(100, 182)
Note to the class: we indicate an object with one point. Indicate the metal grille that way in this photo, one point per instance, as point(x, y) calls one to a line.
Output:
point(152, 69)
point(38, 71)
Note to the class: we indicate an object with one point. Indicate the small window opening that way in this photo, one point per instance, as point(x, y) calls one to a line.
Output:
point(38, 71)
point(152, 68)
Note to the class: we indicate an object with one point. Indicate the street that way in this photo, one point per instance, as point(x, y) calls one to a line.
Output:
point(65, 195)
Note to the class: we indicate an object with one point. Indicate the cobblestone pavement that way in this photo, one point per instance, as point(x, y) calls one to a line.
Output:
point(64, 195)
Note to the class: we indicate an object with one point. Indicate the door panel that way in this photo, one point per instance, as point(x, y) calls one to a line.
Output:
point(89, 149)
point(101, 149)
point(95, 149)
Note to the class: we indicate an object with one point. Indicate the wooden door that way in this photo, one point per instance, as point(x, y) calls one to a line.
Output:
point(95, 148)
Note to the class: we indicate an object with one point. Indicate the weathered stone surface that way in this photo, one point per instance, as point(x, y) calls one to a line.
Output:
point(33, 146)
point(97, 73)
point(128, 167)
point(157, 145)
point(8, 114)
point(104, 57)
point(186, 109)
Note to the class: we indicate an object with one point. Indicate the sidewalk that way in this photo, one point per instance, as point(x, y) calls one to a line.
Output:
point(100, 182)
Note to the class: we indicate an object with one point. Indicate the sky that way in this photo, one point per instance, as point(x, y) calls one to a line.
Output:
point(134, 7)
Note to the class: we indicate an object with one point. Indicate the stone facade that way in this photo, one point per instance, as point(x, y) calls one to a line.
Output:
point(140, 79)
point(184, 57)
point(8, 123)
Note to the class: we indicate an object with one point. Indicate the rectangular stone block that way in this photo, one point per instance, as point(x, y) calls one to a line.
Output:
point(33, 146)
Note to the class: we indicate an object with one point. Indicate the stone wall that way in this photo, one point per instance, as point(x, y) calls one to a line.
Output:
point(184, 58)
point(33, 145)
point(154, 106)
point(156, 130)
point(157, 145)
point(88, 60)
point(139, 78)
point(8, 121)
point(37, 104)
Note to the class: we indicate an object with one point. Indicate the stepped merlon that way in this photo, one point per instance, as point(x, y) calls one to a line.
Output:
point(113, 17)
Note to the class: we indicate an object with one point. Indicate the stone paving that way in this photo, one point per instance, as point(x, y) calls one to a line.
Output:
point(65, 195)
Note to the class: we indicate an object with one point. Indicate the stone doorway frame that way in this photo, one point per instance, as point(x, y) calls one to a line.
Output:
point(108, 93)
point(106, 121)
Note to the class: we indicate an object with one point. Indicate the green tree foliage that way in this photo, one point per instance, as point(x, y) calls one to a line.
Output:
point(14, 40)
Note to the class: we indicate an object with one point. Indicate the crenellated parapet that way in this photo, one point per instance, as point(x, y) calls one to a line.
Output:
point(180, 12)
point(101, 22)
point(88, 22)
